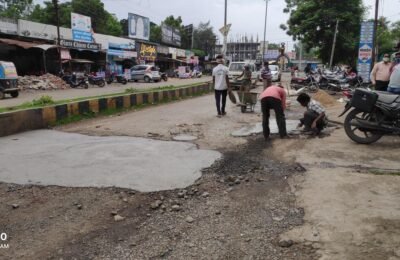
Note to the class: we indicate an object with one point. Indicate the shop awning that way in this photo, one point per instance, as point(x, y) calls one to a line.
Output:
point(81, 61)
point(45, 47)
point(170, 59)
point(22, 44)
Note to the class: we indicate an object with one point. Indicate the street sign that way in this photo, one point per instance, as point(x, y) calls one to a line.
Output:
point(225, 30)
point(365, 50)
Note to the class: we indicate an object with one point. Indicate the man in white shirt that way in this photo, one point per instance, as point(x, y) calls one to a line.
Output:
point(221, 85)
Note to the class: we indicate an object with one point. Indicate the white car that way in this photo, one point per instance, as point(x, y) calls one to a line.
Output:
point(236, 68)
point(275, 72)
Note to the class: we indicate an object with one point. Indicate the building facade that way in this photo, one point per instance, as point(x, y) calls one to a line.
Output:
point(241, 51)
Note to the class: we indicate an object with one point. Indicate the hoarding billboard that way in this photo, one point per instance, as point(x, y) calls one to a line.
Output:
point(170, 35)
point(139, 27)
point(81, 28)
point(365, 50)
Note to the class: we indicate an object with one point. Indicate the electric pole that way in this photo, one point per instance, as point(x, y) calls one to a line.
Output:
point(375, 33)
point(334, 43)
point(225, 30)
point(56, 8)
point(265, 31)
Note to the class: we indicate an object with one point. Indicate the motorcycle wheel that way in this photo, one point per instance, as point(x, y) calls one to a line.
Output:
point(124, 82)
point(101, 84)
point(85, 86)
point(312, 88)
point(361, 136)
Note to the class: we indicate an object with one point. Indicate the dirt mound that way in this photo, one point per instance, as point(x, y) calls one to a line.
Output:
point(44, 82)
point(324, 98)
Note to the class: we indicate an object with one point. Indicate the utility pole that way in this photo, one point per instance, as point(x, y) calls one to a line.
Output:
point(56, 8)
point(334, 43)
point(375, 33)
point(301, 56)
point(265, 31)
point(225, 30)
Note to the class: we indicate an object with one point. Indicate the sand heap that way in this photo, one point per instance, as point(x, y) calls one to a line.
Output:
point(324, 98)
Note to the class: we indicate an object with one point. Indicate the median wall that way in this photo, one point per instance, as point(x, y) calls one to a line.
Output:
point(39, 118)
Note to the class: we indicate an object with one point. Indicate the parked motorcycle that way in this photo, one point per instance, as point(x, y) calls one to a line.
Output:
point(373, 114)
point(119, 78)
point(164, 76)
point(76, 82)
point(307, 84)
point(96, 80)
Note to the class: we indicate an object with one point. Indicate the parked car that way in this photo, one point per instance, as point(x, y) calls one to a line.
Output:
point(236, 68)
point(275, 72)
point(147, 73)
point(8, 79)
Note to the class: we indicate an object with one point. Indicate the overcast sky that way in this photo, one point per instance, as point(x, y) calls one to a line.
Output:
point(246, 16)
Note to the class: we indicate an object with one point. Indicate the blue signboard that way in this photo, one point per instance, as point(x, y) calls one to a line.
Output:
point(365, 50)
point(82, 36)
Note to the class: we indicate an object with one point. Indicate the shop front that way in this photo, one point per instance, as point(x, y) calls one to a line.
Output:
point(147, 53)
point(121, 57)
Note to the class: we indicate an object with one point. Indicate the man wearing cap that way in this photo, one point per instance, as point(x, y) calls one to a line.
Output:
point(221, 85)
point(394, 83)
point(380, 74)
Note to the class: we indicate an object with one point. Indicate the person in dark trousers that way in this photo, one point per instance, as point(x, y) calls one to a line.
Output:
point(274, 97)
point(221, 85)
point(314, 119)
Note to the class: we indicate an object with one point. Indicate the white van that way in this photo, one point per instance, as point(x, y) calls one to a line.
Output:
point(236, 68)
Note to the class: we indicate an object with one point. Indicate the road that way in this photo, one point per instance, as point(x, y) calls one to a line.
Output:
point(298, 198)
point(29, 95)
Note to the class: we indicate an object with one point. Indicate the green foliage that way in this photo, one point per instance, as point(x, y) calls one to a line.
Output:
point(313, 22)
point(15, 9)
point(130, 90)
point(388, 35)
point(155, 33)
point(43, 101)
point(199, 53)
point(102, 21)
point(204, 38)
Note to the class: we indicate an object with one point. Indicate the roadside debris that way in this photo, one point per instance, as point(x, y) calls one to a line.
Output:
point(45, 82)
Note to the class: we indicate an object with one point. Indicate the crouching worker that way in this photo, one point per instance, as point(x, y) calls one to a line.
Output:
point(274, 97)
point(314, 119)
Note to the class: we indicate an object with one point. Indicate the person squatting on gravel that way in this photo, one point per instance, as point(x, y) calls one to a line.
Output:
point(314, 119)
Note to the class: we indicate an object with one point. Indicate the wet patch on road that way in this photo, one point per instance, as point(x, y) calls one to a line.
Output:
point(73, 160)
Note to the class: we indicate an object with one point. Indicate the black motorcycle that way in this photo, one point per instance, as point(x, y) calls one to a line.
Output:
point(96, 80)
point(76, 82)
point(373, 115)
point(119, 78)
point(164, 76)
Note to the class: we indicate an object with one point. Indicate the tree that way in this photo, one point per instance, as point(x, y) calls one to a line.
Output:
point(155, 33)
point(15, 9)
point(204, 38)
point(313, 22)
point(102, 21)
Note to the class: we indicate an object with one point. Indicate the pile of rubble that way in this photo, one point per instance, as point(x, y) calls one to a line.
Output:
point(44, 82)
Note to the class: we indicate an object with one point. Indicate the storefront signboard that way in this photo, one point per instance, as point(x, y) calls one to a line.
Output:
point(80, 45)
point(81, 28)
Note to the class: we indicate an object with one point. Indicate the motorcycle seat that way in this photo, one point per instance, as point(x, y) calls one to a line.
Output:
point(388, 98)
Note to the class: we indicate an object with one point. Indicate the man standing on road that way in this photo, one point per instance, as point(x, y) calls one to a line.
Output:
point(266, 76)
point(394, 83)
point(221, 85)
point(274, 97)
point(380, 74)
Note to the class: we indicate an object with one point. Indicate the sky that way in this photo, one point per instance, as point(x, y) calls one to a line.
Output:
point(246, 16)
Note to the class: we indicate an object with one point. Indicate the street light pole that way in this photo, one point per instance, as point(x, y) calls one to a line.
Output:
point(334, 43)
point(265, 31)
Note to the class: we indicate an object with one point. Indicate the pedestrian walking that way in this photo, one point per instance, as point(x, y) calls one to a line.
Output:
point(314, 119)
point(221, 85)
point(274, 97)
point(380, 74)
point(394, 82)
point(266, 76)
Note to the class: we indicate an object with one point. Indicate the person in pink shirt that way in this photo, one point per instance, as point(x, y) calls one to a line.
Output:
point(274, 97)
point(380, 74)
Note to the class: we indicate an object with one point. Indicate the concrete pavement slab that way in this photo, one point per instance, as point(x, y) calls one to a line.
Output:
point(47, 157)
